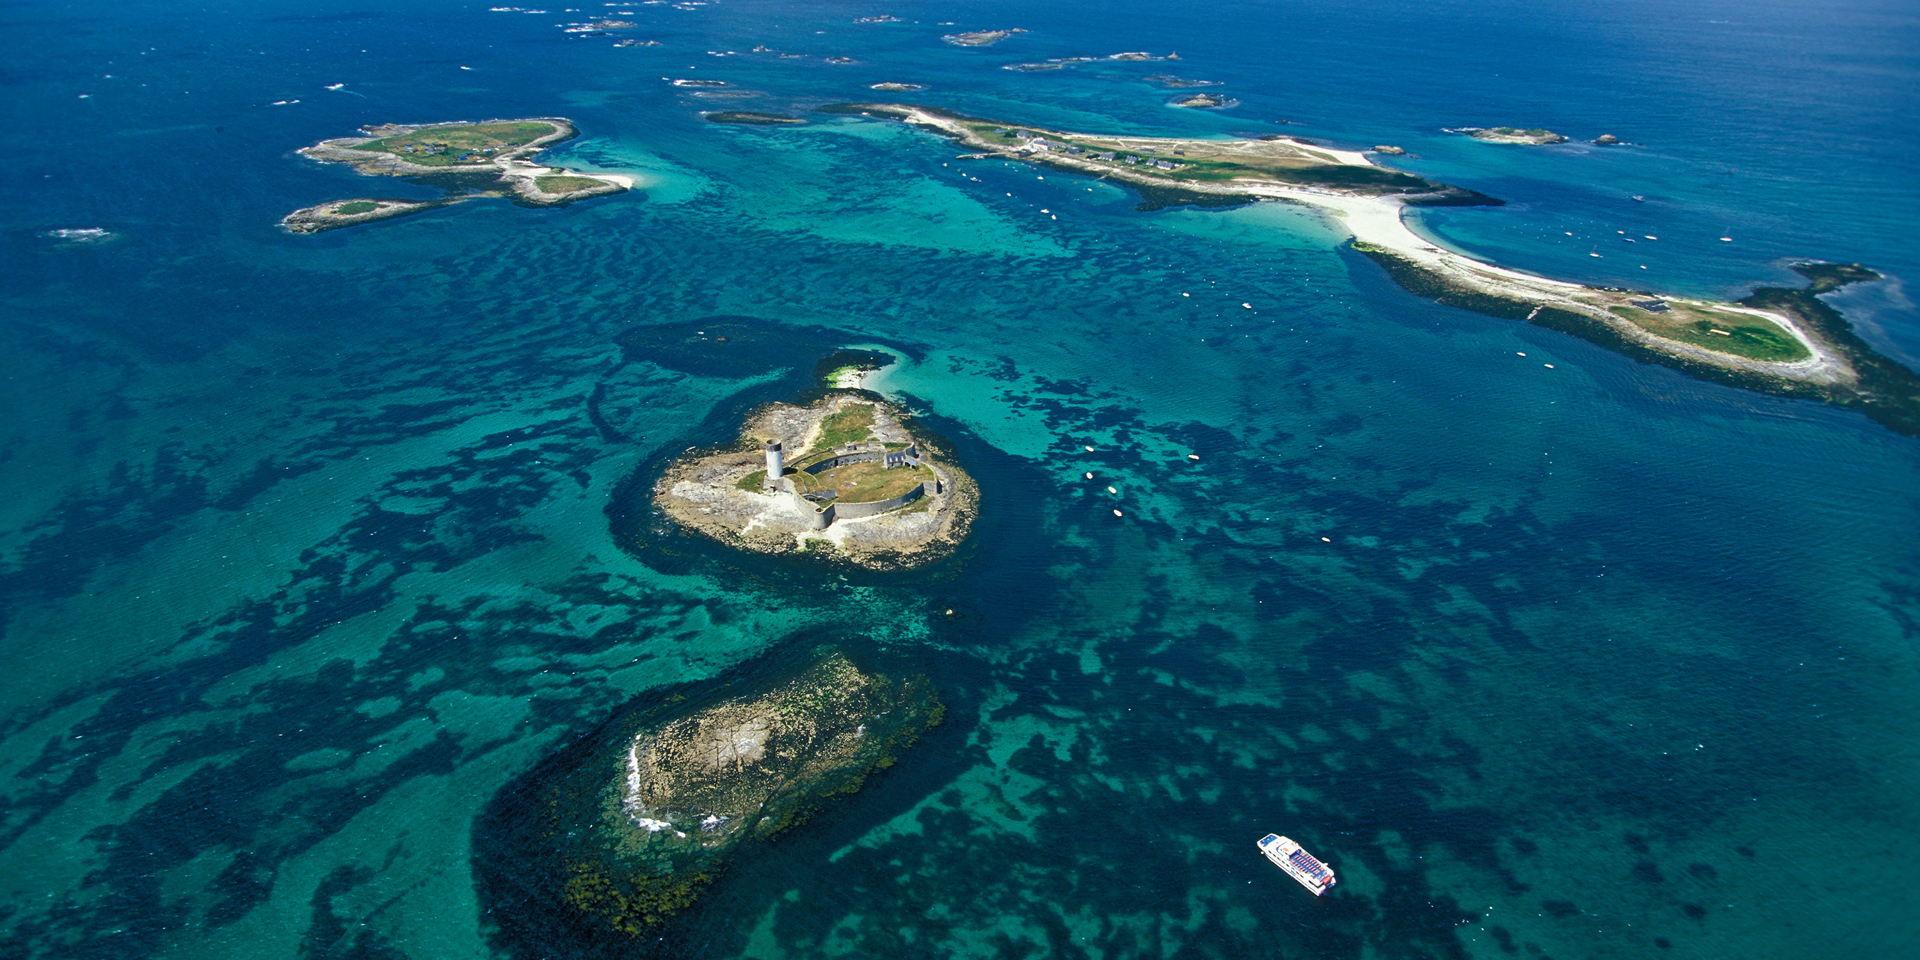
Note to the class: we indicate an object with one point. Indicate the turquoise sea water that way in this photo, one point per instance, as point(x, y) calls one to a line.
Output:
point(315, 547)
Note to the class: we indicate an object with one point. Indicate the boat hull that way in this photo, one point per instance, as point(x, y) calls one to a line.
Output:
point(1297, 863)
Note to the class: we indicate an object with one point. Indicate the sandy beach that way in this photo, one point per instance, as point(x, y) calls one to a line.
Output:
point(1380, 221)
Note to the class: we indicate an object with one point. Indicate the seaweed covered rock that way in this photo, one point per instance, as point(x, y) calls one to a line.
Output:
point(628, 829)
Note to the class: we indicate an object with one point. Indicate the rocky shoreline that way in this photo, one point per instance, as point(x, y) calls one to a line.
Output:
point(507, 173)
point(1531, 138)
point(1864, 380)
point(1777, 341)
point(722, 495)
point(346, 213)
point(613, 837)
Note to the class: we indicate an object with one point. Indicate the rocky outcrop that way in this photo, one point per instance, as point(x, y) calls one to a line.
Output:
point(725, 495)
point(618, 833)
point(1532, 137)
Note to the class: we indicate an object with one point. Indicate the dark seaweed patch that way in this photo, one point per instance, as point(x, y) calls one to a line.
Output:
point(734, 347)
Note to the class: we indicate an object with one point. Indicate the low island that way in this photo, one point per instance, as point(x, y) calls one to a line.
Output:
point(1781, 341)
point(1204, 101)
point(750, 118)
point(484, 159)
point(1172, 82)
point(845, 476)
point(1532, 138)
point(980, 38)
point(622, 832)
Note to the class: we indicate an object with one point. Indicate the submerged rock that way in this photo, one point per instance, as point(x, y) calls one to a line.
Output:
point(619, 836)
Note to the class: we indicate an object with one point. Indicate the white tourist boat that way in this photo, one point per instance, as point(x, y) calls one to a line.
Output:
point(1298, 863)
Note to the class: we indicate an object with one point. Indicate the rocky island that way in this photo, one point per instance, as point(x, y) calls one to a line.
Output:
point(1780, 341)
point(845, 476)
point(485, 159)
point(630, 827)
point(1535, 137)
point(1204, 101)
point(750, 118)
point(980, 38)
point(1175, 83)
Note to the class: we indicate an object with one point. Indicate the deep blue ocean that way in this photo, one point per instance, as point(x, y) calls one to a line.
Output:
point(312, 547)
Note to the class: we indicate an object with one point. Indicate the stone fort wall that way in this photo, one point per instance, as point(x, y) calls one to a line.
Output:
point(845, 458)
point(824, 517)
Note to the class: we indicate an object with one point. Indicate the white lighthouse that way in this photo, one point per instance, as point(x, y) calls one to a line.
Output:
point(776, 465)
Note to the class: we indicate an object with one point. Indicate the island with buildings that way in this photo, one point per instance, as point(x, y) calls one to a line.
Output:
point(846, 476)
point(1781, 341)
point(465, 159)
point(618, 833)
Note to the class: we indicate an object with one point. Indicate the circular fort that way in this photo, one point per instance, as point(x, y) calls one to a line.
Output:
point(844, 476)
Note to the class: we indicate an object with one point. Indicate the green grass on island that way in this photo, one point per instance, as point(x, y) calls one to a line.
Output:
point(454, 144)
point(566, 184)
point(847, 426)
point(1199, 161)
point(861, 482)
point(1741, 335)
point(354, 207)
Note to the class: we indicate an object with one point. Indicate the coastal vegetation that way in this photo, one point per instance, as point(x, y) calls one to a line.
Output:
point(1739, 334)
point(623, 831)
point(980, 38)
point(485, 159)
point(861, 482)
point(565, 183)
point(851, 466)
point(1198, 161)
point(1534, 136)
point(1202, 101)
point(454, 144)
point(848, 425)
point(1850, 372)
point(1779, 341)
point(343, 213)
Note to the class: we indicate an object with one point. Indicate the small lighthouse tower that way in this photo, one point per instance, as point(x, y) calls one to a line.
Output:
point(776, 465)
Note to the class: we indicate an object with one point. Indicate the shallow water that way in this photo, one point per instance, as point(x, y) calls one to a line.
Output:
point(314, 544)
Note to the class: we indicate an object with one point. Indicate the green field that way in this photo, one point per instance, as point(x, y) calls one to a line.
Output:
point(1202, 162)
point(1744, 336)
point(454, 144)
point(853, 423)
point(565, 184)
point(862, 482)
point(352, 207)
